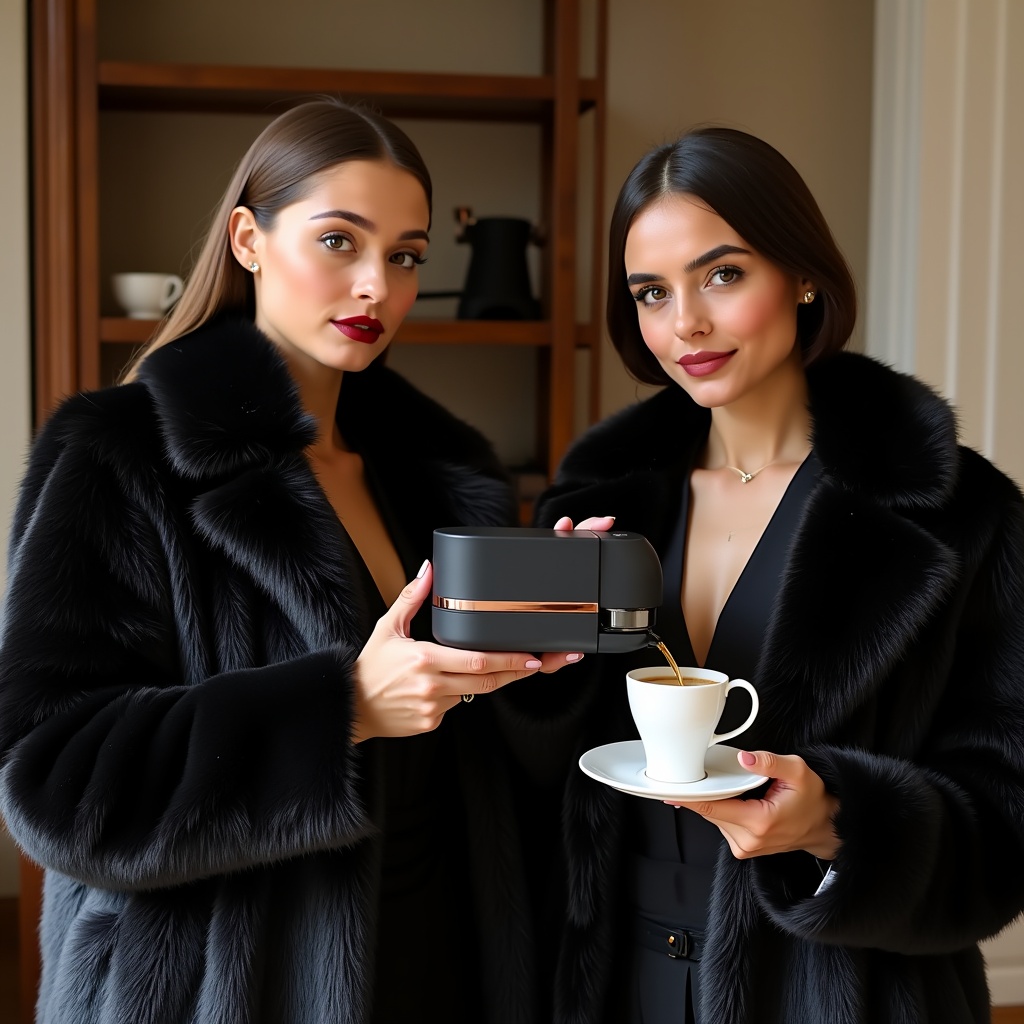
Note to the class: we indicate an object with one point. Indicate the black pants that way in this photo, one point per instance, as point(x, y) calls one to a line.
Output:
point(665, 975)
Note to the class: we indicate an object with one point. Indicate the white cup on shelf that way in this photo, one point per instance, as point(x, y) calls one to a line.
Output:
point(146, 296)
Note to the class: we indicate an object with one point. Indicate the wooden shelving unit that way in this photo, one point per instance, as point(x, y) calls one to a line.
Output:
point(76, 347)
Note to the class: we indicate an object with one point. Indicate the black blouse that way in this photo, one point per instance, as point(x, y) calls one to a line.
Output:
point(674, 851)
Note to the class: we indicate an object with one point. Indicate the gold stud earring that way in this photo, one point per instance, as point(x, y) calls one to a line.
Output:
point(254, 266)
point(809, 295)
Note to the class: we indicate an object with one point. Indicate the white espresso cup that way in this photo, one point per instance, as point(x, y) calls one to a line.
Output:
point(147, 296)
point(677, 723)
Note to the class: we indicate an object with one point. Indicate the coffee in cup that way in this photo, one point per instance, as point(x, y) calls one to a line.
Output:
point(677, 722)
point(146, 296)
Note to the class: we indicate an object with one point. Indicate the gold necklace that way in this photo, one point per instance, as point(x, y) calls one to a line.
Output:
point(745, 478)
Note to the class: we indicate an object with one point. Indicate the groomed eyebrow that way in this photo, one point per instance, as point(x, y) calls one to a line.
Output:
point(695, 264)
point(366, 225)
point(715, 254)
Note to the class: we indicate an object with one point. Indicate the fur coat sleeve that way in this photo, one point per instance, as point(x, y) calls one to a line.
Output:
point(118, 769)
point(931, 819)
point(182, 618)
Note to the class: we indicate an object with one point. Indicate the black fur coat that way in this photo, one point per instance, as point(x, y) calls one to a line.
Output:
point(175, 697)
point(893, 662)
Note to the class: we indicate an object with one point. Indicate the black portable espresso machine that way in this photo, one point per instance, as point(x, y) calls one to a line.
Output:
point(528, 589)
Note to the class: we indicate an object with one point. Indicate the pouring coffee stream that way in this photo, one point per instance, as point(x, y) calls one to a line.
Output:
point(656, 641)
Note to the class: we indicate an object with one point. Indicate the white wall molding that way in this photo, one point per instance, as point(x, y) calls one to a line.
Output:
point(895, 171)
point(947, 140)
point(946, 224)
point(959, 89)
point(1000, 44)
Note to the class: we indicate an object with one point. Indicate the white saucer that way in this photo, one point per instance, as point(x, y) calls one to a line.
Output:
point(622, 765)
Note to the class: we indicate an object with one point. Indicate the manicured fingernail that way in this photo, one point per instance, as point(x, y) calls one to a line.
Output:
point(423, 568)
point(573, 657)
point(747, 758)
point(533, 663)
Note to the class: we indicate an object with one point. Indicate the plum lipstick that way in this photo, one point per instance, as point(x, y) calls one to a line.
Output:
point(360, 328)
point(700, 364)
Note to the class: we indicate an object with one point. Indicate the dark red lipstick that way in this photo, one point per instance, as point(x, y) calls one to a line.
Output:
point(360, 328)
point(700, 364)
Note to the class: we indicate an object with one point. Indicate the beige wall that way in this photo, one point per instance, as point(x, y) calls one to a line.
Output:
point(15, 386)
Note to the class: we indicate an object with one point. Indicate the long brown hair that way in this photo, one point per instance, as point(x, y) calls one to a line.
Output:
point(280, 168)
point(759, 194)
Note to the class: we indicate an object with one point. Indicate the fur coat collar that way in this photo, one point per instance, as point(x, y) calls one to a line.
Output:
point(227, 404)
point(888, 450)
point(876, 431)
point(232, 424)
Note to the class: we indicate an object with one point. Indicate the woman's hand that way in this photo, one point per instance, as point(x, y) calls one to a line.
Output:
point(796, 812)
point(596, 523)
point(405, 686)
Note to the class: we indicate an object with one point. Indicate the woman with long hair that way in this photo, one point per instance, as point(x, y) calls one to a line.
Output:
point(261, 795)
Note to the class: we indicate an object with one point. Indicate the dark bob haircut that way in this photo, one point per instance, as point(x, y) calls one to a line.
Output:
point(760, 195)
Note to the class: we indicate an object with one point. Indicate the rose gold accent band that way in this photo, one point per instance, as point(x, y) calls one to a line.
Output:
point(455, 604)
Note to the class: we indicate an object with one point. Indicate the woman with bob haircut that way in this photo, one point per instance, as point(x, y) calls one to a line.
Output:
point(824, 536)
point(260, 794)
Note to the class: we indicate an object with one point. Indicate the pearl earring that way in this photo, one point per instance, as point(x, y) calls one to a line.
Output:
point(809, 295)
point(254, 266)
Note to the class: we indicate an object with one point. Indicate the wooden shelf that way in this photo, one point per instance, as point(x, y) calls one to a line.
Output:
point(125, 330)
point(128, 331)
point(125, 85)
